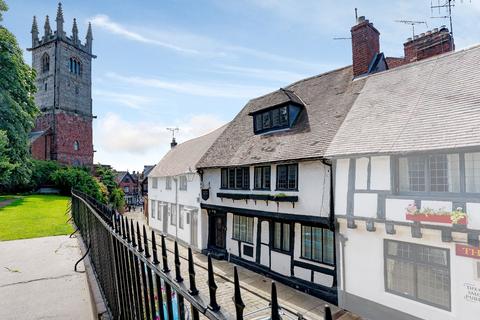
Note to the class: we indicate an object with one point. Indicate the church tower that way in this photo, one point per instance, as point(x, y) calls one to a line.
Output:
point(63, 130)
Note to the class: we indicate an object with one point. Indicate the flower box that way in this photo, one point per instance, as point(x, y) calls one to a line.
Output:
point(264, 197)
point(444, 218)
point(284, 198)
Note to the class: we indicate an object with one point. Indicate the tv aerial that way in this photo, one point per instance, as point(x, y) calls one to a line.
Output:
point(173, 130)
point(446, 6)
point(413, 23)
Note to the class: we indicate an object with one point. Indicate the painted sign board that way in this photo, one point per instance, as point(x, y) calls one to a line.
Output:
point(467, 251)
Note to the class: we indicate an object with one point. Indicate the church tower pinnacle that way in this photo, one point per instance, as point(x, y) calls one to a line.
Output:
point(34, 32)
point(89, 38)
point(75, 32)
point(59, 21)
point(47, 29)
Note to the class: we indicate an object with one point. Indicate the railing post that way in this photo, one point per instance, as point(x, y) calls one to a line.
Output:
point(237, 298)
point(328, 313)
point(274, 304)
point(124, 231)
point(164, 255)
point(145, 242)
point(139, 239)
point(154, 249)
point(191, 273)
point(212, 286)
point(178, 275)
point(132, 231)
point(127, 229)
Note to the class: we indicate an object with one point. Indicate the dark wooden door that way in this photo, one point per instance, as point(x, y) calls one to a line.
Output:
point(220, 230)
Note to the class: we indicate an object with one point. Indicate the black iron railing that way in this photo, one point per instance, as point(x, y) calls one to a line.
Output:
point(135, 285)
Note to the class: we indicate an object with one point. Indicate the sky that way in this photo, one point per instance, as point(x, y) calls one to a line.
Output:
point(194, 64)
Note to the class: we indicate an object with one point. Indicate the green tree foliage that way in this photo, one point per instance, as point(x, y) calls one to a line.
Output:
point(6, 167)
point(17, 106)
point(3, 8)
point(116, 196)
point(80, 179)
point(42, 173)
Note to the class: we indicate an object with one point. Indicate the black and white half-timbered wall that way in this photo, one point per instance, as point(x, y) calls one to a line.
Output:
point(407, 192)
point(266, 186)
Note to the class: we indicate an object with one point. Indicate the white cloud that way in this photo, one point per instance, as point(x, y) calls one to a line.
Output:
point(129, 145)
point(132, 101)
point(198, 89)
point(185, 42)
point(267, 74)
point(104, 21)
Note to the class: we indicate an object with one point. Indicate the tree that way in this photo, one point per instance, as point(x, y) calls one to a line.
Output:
point(6, 166)
point(3, 8)
point(69, 178)
point(17, 106)
point(42, 173)
point(116, 196)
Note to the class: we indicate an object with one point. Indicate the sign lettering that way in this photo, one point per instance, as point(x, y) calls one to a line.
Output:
point(473, 293)
point(467, 251)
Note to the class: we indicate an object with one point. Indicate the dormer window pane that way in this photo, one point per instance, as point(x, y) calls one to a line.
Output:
point(266, 120)
point(283, 116)
point(275, 118)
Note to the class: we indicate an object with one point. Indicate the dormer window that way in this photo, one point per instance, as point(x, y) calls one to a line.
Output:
point(276, 118)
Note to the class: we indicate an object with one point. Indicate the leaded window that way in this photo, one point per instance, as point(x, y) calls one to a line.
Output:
point(274, 119)
point(281, 236)
point(418, 272)
point(168, 183)
point(182, 183)
point(432, 173)
point(242, 228)
point(472, 172)
point(262, 178)
point(318, 244)
point(235, 178)
point(173, 213)
point(287, 177)
point(181, 217)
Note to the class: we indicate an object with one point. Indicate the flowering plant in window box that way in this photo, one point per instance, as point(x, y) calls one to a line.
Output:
point(456, 216)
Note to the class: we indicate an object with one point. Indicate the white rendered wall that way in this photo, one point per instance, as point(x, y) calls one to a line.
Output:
point(313, 191)
point(380, 173)
point(361, 173)
point(341, 186)
point(189, 198)
point(363, 262)
point(365, 204)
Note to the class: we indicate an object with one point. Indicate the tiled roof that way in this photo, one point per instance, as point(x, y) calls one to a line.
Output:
point(183, 158)
point(326, 99)
point(427, 105)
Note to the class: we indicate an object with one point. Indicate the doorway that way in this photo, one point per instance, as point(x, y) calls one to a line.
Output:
point(194, 228)
point(218, 230)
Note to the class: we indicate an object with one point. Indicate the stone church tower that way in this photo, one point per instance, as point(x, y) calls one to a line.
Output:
point(63, 130)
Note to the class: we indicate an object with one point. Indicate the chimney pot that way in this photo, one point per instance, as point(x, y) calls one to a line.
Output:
point(408, 39)
point(435, 30)
point(433, 42)
point(361, 19)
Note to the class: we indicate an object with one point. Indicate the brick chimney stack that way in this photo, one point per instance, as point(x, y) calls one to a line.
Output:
point(365, 45)
point(429, 44)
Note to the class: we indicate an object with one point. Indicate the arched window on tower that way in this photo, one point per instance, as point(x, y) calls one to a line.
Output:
point(45, 62)
point(76, 145)
point(75, 66)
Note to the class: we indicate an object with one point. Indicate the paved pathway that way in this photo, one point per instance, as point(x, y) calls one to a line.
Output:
point(255, 287)
point(37, 280)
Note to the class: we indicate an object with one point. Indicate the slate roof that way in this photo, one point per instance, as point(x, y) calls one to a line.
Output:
point(427, 105)
point(184, 157)
point(326, 98)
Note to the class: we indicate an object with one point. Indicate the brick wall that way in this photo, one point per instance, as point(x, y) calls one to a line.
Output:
point(428, 44)
point(365, 45)
point(71, 128)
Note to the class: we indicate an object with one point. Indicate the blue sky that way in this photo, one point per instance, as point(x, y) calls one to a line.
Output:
point(194, 64)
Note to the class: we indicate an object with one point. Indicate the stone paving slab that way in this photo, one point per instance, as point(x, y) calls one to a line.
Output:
point(37, 280)
point(255, 287)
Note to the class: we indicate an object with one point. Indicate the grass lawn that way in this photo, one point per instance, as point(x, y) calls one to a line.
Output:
point(34, 216)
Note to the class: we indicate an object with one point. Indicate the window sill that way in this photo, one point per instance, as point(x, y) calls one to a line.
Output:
point(243, 241)
point(318, 262)
point(281, 251)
